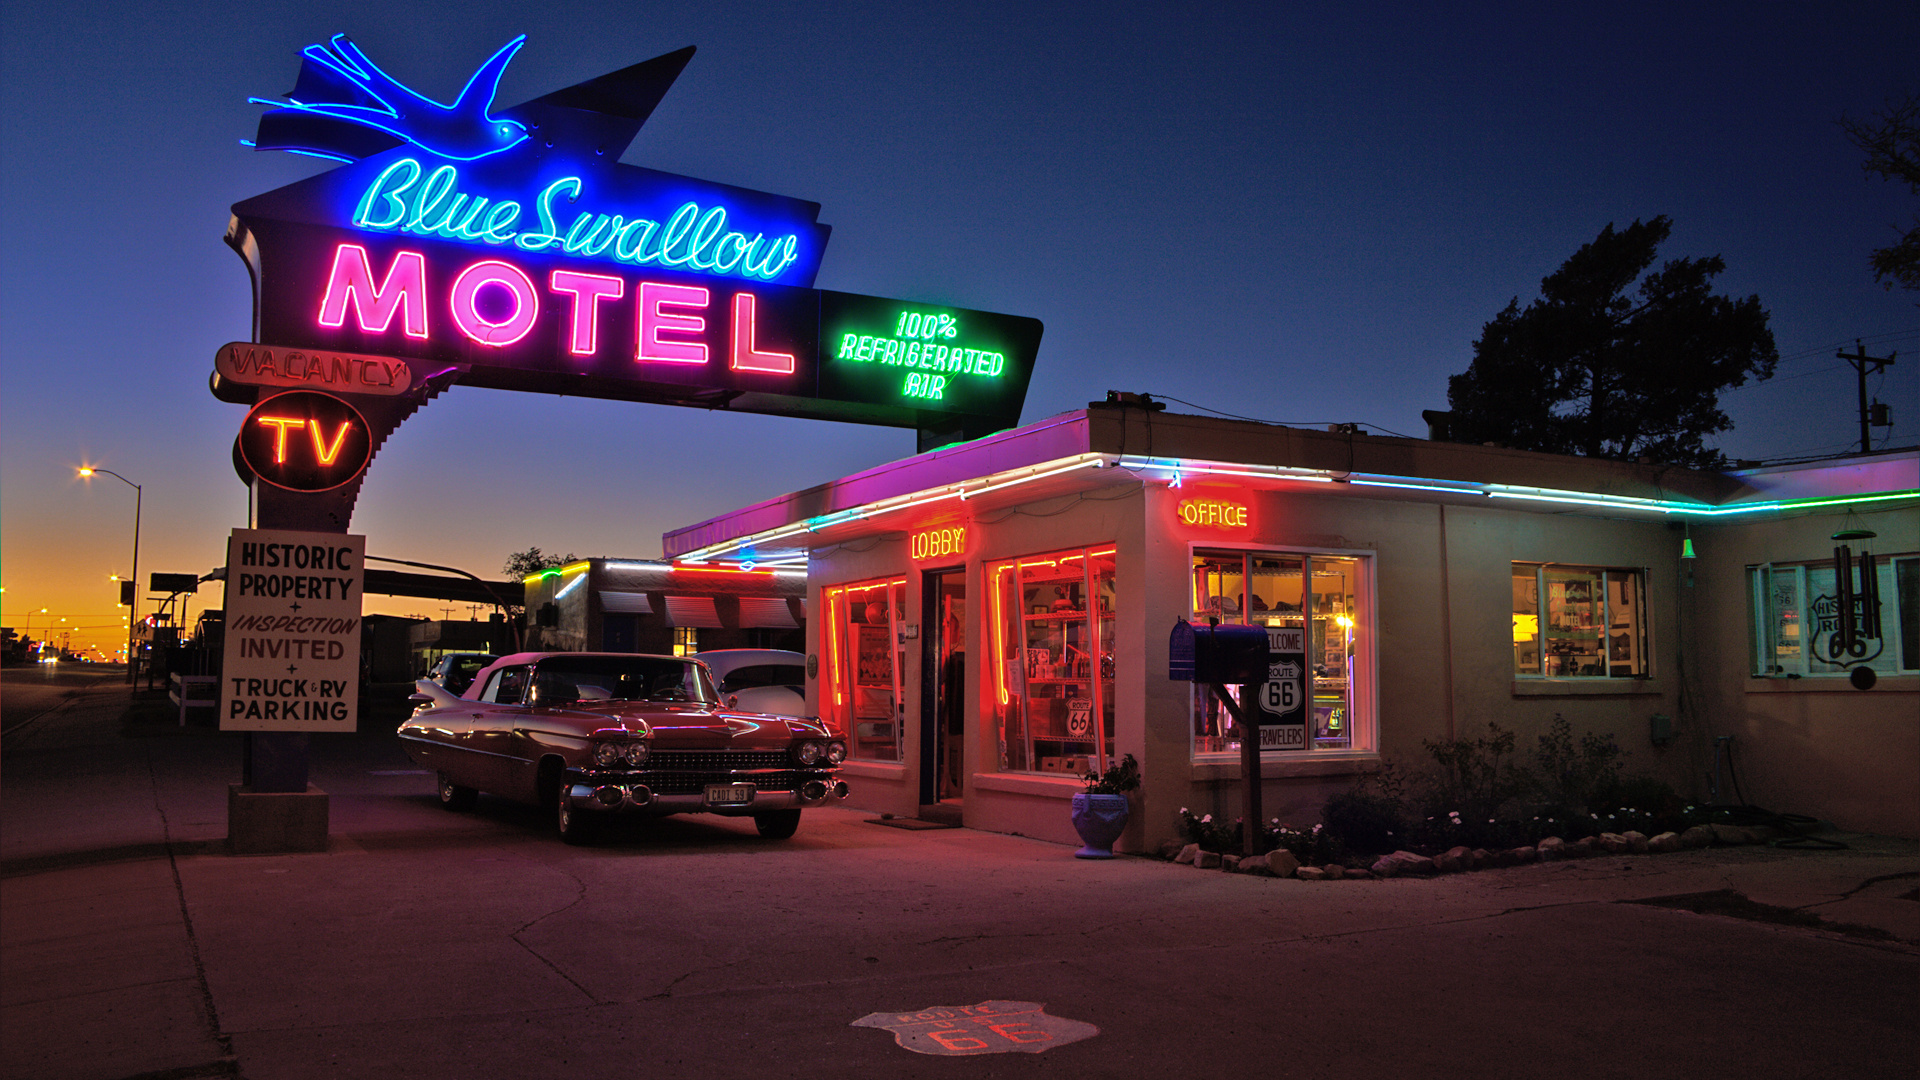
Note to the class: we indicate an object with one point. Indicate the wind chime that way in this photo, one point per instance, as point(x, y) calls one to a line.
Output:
point(1858, 605)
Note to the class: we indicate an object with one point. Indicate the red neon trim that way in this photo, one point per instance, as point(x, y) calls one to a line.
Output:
point(747, 357)
point(587, 290)
point(999, 636)
point(653, 322)
point(351, 282)
point(720, 570)
point(466, 312)
point(833, 646)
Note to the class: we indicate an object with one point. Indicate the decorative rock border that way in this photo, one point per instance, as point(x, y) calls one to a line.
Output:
point(1281, 863)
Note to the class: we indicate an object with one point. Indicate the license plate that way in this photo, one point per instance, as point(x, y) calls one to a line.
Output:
point(729, 794)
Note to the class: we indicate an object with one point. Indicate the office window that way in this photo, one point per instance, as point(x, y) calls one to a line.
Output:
point(1330, 596)
point(862, 697)
point(1796, 625)
point(1573, 622)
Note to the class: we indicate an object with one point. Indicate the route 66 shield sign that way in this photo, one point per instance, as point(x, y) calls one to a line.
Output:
point(991, 1027)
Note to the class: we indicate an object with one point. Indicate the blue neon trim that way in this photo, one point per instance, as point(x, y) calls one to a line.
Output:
point(469, 111)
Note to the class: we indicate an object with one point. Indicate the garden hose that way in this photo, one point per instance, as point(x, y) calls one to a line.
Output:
point(1798, 827)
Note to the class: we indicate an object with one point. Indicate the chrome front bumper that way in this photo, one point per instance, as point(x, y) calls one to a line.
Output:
point(593, 795)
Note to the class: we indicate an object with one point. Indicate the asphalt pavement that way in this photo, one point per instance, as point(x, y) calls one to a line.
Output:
point(428, 944)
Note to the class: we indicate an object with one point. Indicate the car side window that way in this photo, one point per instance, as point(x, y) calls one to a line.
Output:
point(752, 675)
point(506, 686)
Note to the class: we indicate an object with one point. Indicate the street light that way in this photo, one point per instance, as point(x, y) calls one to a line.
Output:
point(87, 472)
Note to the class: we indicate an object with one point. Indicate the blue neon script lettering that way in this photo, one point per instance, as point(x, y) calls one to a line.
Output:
point(406, 198)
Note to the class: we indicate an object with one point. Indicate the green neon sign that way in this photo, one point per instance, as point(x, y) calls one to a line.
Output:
point(933, 358)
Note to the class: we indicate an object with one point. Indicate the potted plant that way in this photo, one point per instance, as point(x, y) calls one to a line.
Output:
point(1100, 812)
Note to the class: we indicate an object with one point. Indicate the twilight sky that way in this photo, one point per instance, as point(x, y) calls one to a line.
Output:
point(1300, 213)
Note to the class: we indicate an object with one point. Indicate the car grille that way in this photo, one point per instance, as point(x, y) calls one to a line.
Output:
point(718, 760)
point(693, 783)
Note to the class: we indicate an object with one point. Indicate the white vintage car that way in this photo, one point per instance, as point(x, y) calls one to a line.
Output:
point(594, 734)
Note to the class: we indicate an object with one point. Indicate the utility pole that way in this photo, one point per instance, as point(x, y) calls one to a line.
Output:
point(1862, 363)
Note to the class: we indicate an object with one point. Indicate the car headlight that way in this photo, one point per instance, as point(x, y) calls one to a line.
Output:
point(606, 754)
point(635, 754)
point(809, 753)
point(836, 752)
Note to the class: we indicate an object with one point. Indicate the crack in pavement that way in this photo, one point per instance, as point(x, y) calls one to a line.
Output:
point(580, 893)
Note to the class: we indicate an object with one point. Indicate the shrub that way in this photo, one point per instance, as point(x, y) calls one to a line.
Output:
point(1364, 823)
point(1313, 847)
point(1475, 778)
point(1370, 819)
point(1210, 834)
point(1576, 777)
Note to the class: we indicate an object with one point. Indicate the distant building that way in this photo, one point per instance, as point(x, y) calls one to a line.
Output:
point(627, 605)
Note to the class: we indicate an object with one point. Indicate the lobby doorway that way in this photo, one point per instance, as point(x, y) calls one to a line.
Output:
point(943, 726)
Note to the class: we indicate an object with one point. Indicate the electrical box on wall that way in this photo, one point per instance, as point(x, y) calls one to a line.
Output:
point(1661, 729)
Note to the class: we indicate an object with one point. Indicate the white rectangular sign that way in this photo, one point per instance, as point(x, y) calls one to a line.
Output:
point(291, 660)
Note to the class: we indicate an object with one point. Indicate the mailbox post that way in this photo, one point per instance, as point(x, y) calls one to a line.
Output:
point(1217, 655)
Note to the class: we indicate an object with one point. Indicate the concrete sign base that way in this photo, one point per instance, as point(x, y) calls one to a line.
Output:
point(275, 822)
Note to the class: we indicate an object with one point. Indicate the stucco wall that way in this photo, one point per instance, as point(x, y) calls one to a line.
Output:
point(1441, 626)
point(1813, 746)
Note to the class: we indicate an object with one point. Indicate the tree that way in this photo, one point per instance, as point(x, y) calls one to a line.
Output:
point(522, 564)
point(1592, 369)
point(1891, 143)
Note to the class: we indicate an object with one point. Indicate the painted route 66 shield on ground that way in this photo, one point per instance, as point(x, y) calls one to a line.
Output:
point(991, 1027)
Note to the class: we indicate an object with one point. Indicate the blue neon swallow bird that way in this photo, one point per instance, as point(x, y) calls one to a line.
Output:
point(343, 106)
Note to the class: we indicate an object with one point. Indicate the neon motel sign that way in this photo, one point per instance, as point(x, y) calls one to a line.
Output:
point(511, 248)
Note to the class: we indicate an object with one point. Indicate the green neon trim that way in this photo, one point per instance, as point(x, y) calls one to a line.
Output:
point(1799, 504)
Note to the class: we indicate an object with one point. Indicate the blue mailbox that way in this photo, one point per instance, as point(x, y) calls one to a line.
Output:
point(1217, 654)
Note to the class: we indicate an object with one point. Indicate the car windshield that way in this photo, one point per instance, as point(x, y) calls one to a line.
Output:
point(462, 669)
point(620, 678)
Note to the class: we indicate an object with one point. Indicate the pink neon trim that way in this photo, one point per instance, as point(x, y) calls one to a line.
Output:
point(466, 312)
point(587, 290)
point(745, 356)
point(654, 322)
point(351, 282)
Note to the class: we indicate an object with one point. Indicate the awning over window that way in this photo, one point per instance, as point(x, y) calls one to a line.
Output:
point(766, 611)
point(694, 611)
point(614, 602)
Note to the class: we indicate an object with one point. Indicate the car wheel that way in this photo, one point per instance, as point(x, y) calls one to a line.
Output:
point(777, 824)
point(575, 827)
point(455, 797)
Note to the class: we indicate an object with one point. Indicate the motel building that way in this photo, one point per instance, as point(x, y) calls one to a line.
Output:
point(991, 619)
